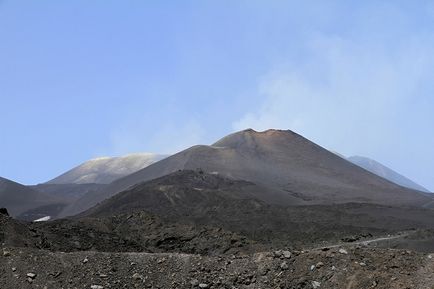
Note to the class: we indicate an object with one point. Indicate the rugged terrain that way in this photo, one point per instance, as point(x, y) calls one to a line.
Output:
point(349, 268)
point(192, 229)
point(140, 251)
point(199, 198)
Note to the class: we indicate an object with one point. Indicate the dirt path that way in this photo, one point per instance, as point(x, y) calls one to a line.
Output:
point(360, 268)
point(364, 242)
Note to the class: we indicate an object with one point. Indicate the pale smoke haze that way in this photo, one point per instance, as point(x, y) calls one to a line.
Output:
point(364, 98)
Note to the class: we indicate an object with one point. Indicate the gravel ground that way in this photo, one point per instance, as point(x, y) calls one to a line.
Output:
point(350, 267)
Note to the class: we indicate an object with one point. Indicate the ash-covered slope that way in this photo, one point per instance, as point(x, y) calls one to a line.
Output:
point(19, 199)
point(196, 198)
point(294, 168)
point(385, 172)
point(68, 192)
point(107, 169)
point(184, 193)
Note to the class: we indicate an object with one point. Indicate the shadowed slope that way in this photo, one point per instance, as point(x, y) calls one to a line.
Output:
point(183, 193)
point(18, 198)
point(201, 199)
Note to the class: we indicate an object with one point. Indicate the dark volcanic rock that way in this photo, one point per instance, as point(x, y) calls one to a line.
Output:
point(197, 198)
point(202, 230)
point(135, 232)
point(383, 269)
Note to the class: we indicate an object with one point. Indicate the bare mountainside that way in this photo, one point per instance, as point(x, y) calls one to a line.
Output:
point(107, 169)
point(19, 199)
point(294, 169)
point(385, 172)
point(202, 199)
point(139, 251)
point(69, 192)
point(66, 193)
point(191, 229)
point(181, 193)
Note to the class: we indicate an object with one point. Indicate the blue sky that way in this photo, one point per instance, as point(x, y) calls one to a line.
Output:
point(81, 79)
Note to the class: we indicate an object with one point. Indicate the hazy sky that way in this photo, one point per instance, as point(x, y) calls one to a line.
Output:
point(80, 79)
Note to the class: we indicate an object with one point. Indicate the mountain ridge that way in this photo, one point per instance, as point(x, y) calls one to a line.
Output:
point(104, 170)
point(297, 170)
point(18, 198)
point(386, 172)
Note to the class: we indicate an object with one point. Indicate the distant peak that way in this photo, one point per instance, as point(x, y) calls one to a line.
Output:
point(131, 155)
point(250, 136)
point(362, 159)
point(99, 158)
point(249, 130)
point(140, 154)
point(359, 157)
point(104, 170)
point(267, 131)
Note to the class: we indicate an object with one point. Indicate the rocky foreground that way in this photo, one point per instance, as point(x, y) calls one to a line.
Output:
point(340, 267)
point(141, 251)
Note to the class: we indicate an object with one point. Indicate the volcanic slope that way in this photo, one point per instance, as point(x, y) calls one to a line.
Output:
point(66, 194)
point(19, 199)
point(106, 169)
point(69, 192)
point(294, 169)
point(385, 172)
point(185, 192)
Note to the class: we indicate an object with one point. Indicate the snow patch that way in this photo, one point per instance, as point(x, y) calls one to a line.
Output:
point(43, 219)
